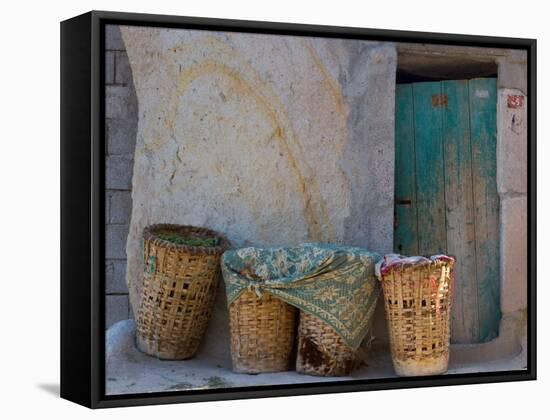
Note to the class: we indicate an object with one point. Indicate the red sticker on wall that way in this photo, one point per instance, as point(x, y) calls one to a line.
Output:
point(515, 101)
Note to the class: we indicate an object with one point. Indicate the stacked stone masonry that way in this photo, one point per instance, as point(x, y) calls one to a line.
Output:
point(121, 126)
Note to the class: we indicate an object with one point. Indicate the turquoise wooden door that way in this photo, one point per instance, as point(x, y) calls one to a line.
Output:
point(445, 192)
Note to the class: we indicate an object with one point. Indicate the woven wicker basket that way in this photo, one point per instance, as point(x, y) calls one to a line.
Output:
point(262, 333)
point(178, 292)
point(321, 351)
point(417, 300)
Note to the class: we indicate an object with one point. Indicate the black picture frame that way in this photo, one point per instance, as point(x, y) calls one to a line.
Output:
point(82, 209)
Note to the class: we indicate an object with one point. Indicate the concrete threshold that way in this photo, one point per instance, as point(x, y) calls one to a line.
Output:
point(129, 371)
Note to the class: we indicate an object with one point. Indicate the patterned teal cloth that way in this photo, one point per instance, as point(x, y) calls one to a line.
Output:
point(335, 283)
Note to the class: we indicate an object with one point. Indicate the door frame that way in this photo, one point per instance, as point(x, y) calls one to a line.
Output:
point(512, 186)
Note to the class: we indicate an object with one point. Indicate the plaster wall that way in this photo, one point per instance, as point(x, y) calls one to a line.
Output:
point(272, 140)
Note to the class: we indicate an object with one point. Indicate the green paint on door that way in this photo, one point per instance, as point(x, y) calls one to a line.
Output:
point(430, 189)
point(445, 192)
point(405, 184)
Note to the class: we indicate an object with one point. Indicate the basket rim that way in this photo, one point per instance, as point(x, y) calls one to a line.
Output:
point(426, 263)
point(149, 234)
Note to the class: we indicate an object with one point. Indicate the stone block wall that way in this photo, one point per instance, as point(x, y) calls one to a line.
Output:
point(512, 173)
point(121, 126)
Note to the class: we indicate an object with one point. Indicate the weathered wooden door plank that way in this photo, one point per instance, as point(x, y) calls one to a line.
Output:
point(459, 210)
point(482, 93)
point(430, 188)
point(405, 232)
point(446, 197)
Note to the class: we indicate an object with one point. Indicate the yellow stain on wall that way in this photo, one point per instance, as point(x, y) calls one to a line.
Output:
point(220, 59)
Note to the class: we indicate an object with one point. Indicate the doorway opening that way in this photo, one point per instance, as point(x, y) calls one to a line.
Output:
point(446, 198)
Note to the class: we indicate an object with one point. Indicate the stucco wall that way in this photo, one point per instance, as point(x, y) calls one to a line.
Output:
point(272, 140)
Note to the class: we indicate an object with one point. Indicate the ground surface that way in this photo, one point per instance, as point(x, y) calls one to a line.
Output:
point(129, 371)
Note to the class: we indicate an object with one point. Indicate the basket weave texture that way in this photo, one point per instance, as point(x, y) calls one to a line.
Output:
point(262, 333)
point(321, 351)
point(179, 287)
point(417, 299)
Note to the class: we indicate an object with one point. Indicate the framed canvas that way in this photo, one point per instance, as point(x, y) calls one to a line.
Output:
point(255, 209)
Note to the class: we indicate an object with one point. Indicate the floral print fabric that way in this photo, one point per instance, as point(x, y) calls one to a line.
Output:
point(335, 283)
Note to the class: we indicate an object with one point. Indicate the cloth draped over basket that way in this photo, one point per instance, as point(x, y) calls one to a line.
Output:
point(335, 283)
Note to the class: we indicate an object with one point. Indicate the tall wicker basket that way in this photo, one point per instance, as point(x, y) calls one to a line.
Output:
point(262, 333)
point(321, 351)
point(417, 299)
point(178, 292)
